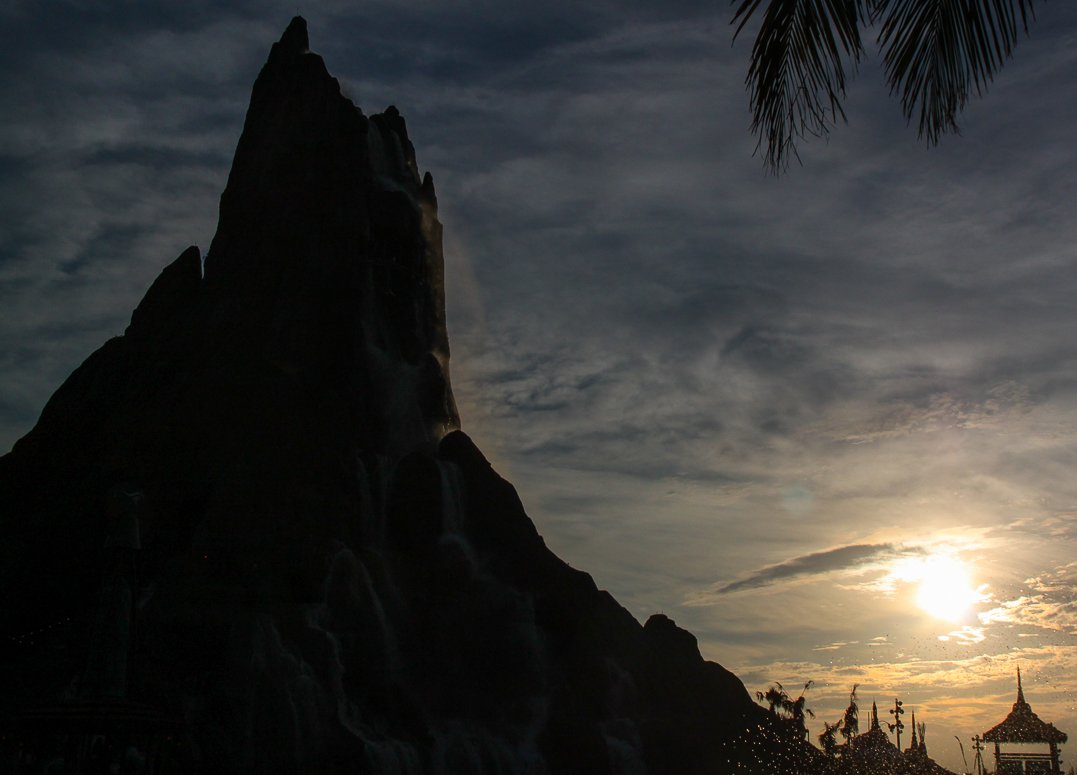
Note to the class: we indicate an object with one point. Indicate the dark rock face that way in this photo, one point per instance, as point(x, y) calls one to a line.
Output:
point(260, 495)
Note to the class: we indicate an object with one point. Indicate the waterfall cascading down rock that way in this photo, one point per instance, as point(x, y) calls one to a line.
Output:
point(329, 576)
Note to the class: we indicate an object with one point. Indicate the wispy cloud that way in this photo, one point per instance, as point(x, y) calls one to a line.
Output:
point(965, 636)
point(691, 371)
point(1049, 603)
point(840, 558)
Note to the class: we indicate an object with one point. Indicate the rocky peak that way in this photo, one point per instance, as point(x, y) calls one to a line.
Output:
point(327, 257)
point(294, 40)
point(323, 574)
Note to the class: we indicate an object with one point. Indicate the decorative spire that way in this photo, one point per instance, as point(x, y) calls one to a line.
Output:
point(915, 743)
point(1022, 725)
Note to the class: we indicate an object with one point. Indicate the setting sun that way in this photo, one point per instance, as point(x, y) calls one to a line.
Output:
point(946, 591)
point(944, 586)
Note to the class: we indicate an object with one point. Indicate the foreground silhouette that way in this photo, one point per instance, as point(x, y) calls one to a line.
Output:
point(937, 54)
point(248, 536)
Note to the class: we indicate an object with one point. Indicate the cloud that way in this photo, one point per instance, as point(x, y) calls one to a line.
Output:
point(966, 636)
point(1049, 603)
point(835, 646)
point(941, 411)
point(683, 365)
point(837, 559)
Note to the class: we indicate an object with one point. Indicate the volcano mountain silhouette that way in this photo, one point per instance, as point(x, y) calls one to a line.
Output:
point(248, 536)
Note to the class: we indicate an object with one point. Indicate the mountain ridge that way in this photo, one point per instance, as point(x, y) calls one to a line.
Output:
point(255, 510)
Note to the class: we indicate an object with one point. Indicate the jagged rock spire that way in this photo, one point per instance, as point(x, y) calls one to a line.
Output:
point(295, 40)
point(327, 259)
point(313, 524)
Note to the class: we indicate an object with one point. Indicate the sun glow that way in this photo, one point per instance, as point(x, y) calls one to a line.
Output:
point(943, 584)
point(946, 591)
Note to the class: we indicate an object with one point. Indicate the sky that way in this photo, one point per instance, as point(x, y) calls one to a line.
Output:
point(826, 421)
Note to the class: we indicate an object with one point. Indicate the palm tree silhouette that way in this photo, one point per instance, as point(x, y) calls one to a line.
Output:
point(791, 712)
point(850, 721)
point(828, 738)
point(937, 53)
point(776, 698)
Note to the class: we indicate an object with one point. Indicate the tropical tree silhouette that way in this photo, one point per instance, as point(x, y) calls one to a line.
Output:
point(936, 53)
point(776, 697)
point(789, 711)
point(848, 726)
point(828, 738)
point(850, 721)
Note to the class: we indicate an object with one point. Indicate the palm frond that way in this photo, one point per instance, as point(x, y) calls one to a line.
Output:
point(938, 53)
point(796, 79)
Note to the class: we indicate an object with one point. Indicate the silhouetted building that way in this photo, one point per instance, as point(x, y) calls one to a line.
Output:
point(872, 753)
point(1023, 727)
point(917, 762)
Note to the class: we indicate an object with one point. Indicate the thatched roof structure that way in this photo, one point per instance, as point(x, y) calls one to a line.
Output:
point(1023, 725)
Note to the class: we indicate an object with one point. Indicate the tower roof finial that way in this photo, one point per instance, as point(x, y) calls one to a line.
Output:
point(1020, 690)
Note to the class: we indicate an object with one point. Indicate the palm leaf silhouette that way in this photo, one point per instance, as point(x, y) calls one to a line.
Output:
point(937, 53)
point(796, 77)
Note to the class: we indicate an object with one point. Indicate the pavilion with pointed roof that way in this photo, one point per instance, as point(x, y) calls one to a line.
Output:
point(871, 753)
point(1024, 727)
